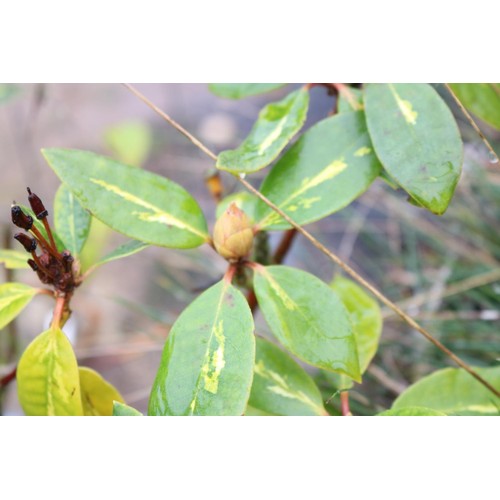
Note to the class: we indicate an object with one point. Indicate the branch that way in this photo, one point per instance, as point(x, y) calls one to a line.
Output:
point(473, 123)
point(333, 257)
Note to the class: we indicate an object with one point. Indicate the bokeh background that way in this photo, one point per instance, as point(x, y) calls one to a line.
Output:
point(443, 270)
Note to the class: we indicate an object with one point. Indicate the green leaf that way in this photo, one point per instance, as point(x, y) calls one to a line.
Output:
point(325, 170)
point(97, 394)
point(72, 221)
point(308, 318)
point(47, 377)
point(366, 319)
point(12, 259)
point(483, 99)
point(8, 91)
point(281, 386)
point(14, 297)
point(253, 412)
point(125, 250)
point(416, 139)
point(122, 410)
point(412, 411)
point(278, 122)
point(243, 200)
point(454, 391)
point(351, 100)
point(139, 204)
point(130, 142)
point(207, 363)
point(241, 90)
point(39, 225)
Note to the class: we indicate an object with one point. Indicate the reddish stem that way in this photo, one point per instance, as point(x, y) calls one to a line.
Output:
point(231, 271)
point(7, 379)
point(344, 404)
point(49, 232)
point(58, 312)
point(284, 246)
point(252, 300)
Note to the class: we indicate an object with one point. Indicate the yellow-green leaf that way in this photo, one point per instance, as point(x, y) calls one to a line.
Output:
point(140, 204)
point(278, 122)
point(240, 90)
point(122, 410)
point(14, 297)
point(281, 386)
point(207, 363)
point(483, 99)
point(47, 377)
point(412, 411)
point(366, 321)
point(13, 259)
point(455, 392)
point(308, 318)
point(130, 248)
point(72, 221)
point(328, 167)
point(416, 139)
point(97, 394)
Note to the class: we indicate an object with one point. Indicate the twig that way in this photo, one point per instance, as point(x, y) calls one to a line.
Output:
point(472, 122)
point(333, 257)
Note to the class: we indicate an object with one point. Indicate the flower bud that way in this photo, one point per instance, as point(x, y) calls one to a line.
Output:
point(37, 205)
point(28, 243)
point(20, 219)
point(233, 234)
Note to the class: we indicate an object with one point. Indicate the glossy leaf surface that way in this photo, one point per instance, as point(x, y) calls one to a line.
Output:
point(325, 170)
point(137, 203)
point(281, 386)
point(97, 394)
point(416, 139)
point(47, 377)
point(243, 200)
point(454, 392)
point(241, 90)
point(72, 221)
point(412, 411)
point(14, 297)
point(125, 250)
point(122, 410)
point(366, 318)
point(483, 99)
point(130, 142)
point(308, 318)
point(207, 363)
point(13, 259)
point(278, 122)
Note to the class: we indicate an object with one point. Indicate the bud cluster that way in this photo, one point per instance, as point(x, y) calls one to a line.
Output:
point(52, 267)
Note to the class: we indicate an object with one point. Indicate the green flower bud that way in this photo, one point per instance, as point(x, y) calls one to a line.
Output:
point(233, 234)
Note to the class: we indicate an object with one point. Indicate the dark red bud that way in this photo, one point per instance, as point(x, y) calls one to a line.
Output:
point(20, 219)
point(33, 264)
point(37, 205)
point(28, 243)
point(68, 260)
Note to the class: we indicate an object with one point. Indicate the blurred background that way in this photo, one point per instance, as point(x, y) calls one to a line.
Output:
point(444, 271)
